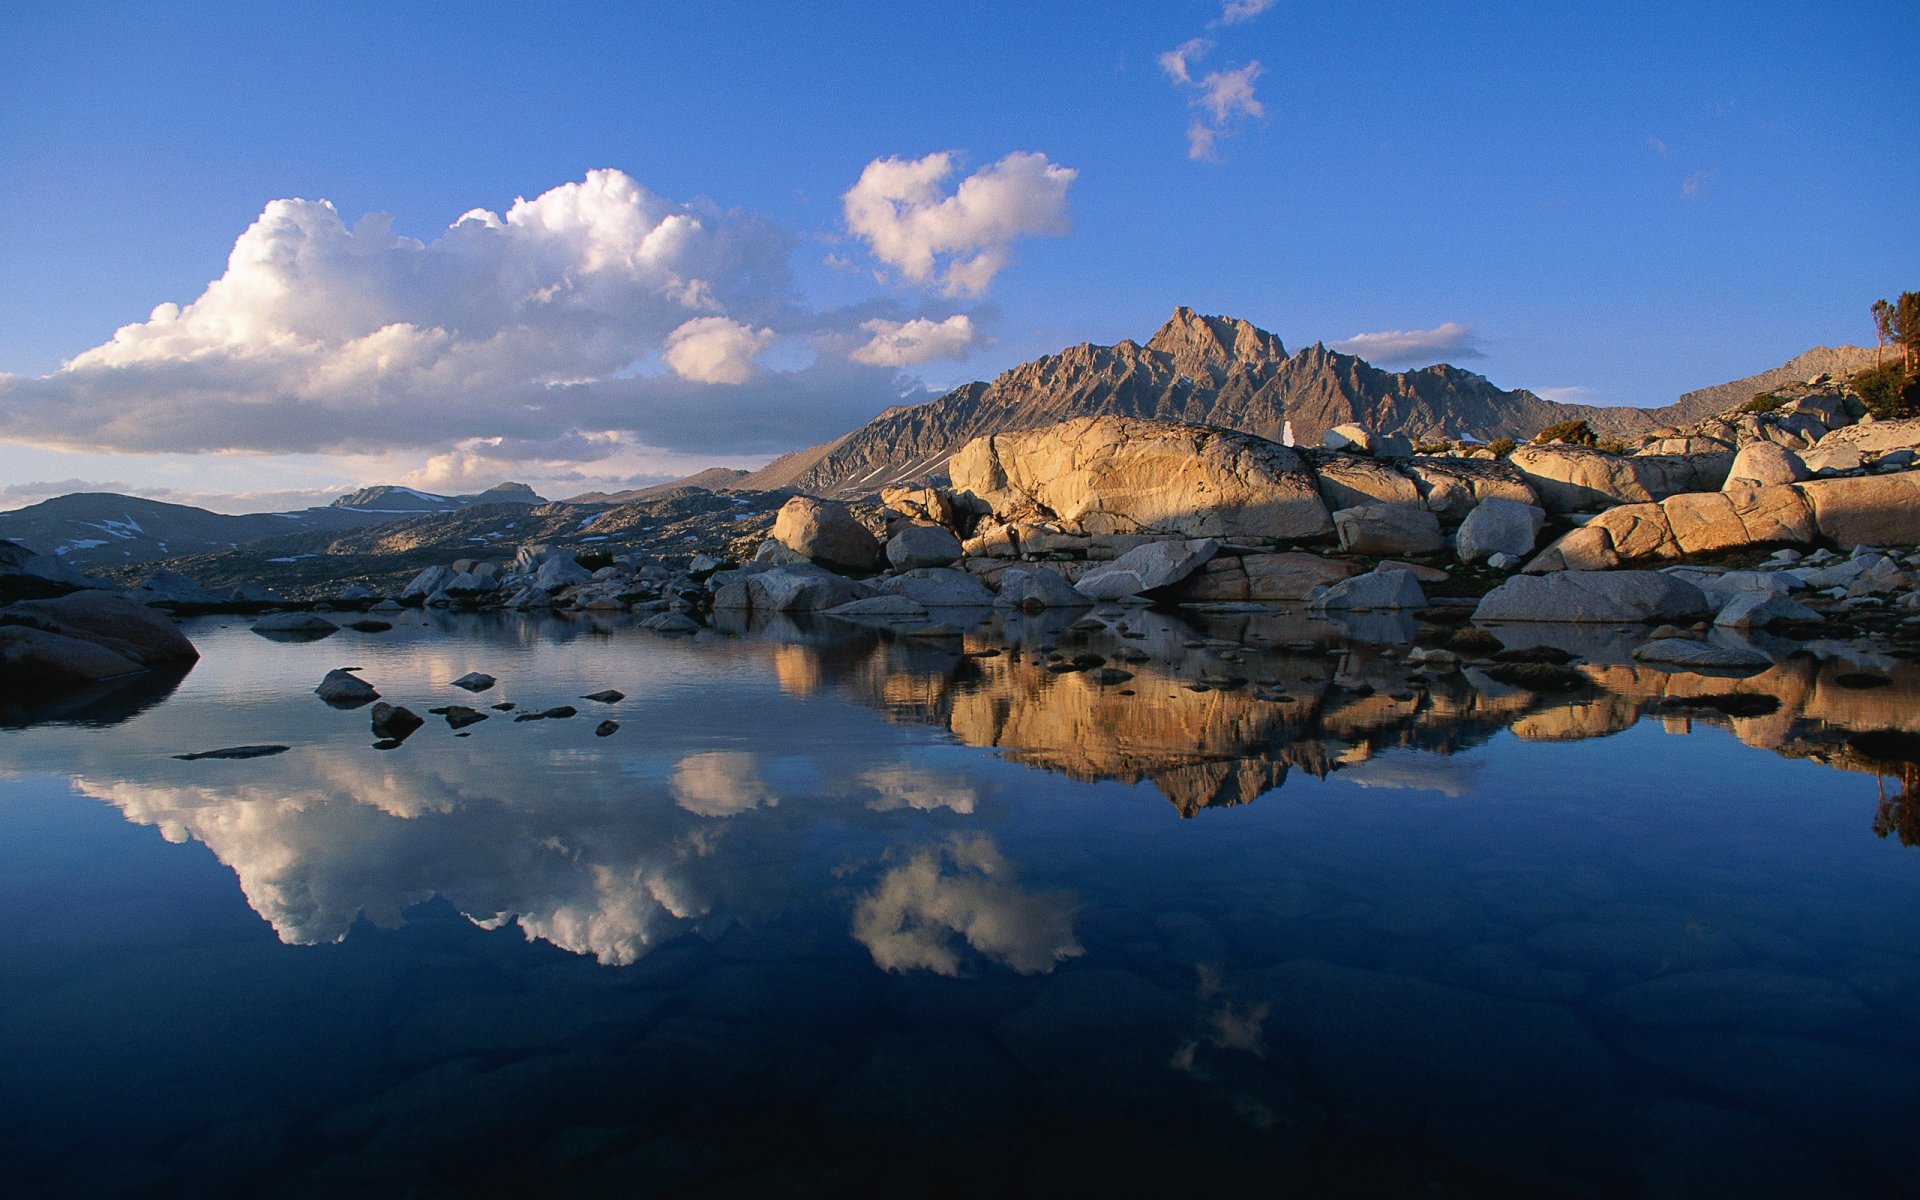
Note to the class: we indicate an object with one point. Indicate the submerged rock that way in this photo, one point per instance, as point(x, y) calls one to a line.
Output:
point(606, 728)
point(475, 681)
point(234, 752)
point(609, 696)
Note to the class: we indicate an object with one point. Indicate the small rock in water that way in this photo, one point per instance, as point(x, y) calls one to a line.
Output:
point(370, 626)
point(392, 721)
point(605, 728)
point(343, 689)
point(550, 714)
point(504, 706)
point(1108, 676)
point(474, 681)
point(300, 626)
point(609, 696)
point(459, 716)
point(234, 752)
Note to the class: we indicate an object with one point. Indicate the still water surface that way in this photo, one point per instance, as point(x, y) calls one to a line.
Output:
point(839, 911)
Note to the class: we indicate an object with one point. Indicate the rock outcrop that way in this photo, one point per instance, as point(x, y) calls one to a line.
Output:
point(826, 532)
point(1614, 597)
point(1119, 475)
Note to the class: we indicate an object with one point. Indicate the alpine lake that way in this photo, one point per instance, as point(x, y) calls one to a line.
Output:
point(836, 910)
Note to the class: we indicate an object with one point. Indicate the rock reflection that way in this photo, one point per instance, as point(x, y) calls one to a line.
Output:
point(965, 888)
point(1217, 712)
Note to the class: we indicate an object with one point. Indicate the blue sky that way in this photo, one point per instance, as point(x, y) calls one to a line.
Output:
point(1609, 203)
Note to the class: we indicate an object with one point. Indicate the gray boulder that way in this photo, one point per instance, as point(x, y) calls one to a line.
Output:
point(1757, 610)
point(1148, 568)
point(940, 587)
point(109, 620)
point(560, 571)
point(297, 624)
point(36, 658)
point(1618, 597)
point(671, 622)
point(1388, 529)
point(801, 587)
point(27, 574)
point(170, 588)
point(343, 688)
point(1038, 588)
point(1685, 652)
point(1373, 590)
point(880, 608)
point(426, 583)
point(1499, 527)
point(922, 546)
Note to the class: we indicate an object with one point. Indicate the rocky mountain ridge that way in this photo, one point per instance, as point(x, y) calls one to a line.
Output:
point(99, 530)
point(1227, 372)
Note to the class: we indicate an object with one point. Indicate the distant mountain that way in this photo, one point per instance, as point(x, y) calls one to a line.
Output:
point(1226, 372)
point(1837, 361)
point(393, 499)
point(91, 530)
point(1197, 369)
point(713, 479)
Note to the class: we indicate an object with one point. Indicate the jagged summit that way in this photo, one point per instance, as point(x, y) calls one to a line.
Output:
point(1211, 345)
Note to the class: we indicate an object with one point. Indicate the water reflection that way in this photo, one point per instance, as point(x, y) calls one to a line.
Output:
point(607, 849)
point(914, 910)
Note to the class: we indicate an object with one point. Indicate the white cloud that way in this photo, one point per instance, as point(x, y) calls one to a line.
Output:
point(1696, 184)
point(1232, 12)
point(903, 785)
point(595, 314)
point(720, 783)
point(966, 888)
point(1576, 394)
point(960, 241)
point(715, 350)
point(1220, 99)
point(1175, 62)
point(1659, 147)
point(1450, 340)
point(906, 343)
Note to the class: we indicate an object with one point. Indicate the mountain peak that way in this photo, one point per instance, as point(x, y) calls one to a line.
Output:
point(1202, 345)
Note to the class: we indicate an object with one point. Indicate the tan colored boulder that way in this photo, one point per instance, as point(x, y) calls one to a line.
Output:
point(1763, 464)
point(1773, 514)
point(1348, 481)
point(1874, 437)
point(1577, 479)
point(1703, 522)
point(1638, 531)
point(1110, 475)
point(1388, 529)
point(934, 505)
point(1585, 549)
point(1867, 510)
point(826, 532)
point(1451, 487)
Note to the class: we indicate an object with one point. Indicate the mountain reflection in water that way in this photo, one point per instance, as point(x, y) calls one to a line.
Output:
point(839, 900)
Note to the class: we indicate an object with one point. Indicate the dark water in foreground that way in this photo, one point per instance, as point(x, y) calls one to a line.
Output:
point(836, 912)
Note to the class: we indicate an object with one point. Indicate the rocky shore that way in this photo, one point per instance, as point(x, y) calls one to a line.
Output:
point(1792, 516)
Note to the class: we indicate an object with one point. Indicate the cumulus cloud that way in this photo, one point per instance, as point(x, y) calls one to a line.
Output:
point(905, 786)
point(907, 343)
point(959, 240)
point(720, 783)
point(715, 350)
point(1220, 100)
point(594, 315)
point(964, 888)
point(1449, 340)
